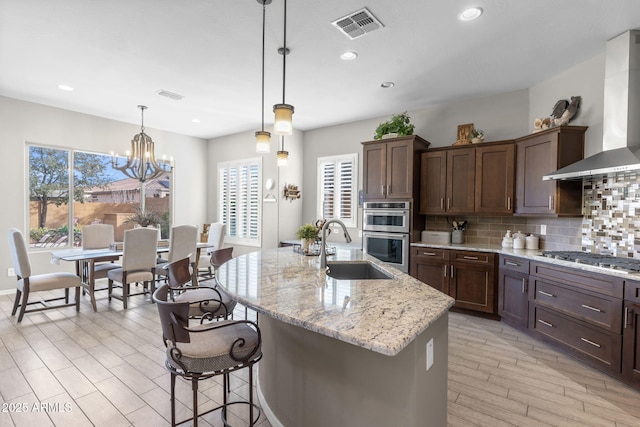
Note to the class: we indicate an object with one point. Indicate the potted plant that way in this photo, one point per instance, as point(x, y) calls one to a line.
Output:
point(476, 135)
point(144, 217)
point(307, 235)
point(398, 125)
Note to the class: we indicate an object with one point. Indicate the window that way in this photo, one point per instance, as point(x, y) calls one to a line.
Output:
point(240, 200)
point(337, 179)
point(98, 194)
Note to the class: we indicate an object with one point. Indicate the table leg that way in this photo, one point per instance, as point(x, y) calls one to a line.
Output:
point(194, 274)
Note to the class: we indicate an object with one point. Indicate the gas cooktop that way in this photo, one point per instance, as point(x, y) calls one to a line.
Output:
point(630, 265)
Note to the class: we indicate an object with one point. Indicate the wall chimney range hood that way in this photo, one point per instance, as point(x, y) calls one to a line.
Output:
point(621, 120)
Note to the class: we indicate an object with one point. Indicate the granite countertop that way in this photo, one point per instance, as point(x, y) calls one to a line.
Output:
point(533, 255)
point(380, 315)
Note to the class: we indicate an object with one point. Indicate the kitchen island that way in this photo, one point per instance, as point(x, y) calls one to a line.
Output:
point(344, 352)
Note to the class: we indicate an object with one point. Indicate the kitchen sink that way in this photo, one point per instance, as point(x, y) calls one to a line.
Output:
point(355, 271)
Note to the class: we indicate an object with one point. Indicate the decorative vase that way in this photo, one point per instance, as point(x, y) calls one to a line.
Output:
point(305, 243)
point(476, 140)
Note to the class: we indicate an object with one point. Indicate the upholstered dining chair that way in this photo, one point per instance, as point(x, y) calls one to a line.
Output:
point(205, 350)
point(97, 236)
point(138, 263)
point(28, 283)
point(215, 239)
point(182, 244)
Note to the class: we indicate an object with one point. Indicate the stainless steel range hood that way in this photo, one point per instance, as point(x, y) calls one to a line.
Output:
point(621, 120)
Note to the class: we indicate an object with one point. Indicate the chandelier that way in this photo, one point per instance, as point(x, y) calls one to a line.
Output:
point(283, 112)
point(141, 160)
point(263, 138)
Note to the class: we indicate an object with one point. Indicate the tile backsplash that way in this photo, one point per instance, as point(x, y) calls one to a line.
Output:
point(562, 233)
point(611, 224)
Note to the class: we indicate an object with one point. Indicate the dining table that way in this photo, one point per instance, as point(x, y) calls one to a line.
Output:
point(86, 259)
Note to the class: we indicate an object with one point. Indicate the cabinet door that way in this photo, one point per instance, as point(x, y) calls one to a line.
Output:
point(631, 344)
point(431, 266)
point(374, 173)
point(461, 167)
point(495, 178)
point(399, 170)
point(512, 298)
point(433, 182)
point(473, 286)
point(536, 158)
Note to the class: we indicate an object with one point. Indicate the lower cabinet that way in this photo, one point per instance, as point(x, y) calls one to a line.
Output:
point(513, 290)
point(467, 276)
point(579, 312)
point(631, 334)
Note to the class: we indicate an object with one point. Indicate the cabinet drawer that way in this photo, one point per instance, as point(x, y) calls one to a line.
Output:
point(595, 346)
point(597, 309)
point(514, 264)
point(579, 279)
point(430, 253)
point(472, 257)
point(632, 291)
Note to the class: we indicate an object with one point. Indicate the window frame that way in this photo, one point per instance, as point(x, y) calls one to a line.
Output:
point(224, 215)
point(336, 160)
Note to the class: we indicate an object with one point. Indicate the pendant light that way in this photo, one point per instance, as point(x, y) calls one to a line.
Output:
point(283, 112)
point(283, 155)
point(263, 138)
point(141, 160)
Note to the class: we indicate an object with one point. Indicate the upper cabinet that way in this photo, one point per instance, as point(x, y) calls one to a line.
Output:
point(390, 167)
point(540, 154)
point(468, 179)
point(447, 181)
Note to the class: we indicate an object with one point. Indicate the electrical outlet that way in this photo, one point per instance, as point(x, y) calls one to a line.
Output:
point(543, 230)
point(11, 272)
point(430, 354)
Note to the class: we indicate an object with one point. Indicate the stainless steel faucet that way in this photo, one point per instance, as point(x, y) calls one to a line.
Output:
point(323, 249)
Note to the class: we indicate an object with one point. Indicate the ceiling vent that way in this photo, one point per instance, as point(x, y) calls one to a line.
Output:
point(357, 24)
point(166, 93)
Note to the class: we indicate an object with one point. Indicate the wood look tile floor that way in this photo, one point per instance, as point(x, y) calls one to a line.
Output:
point(62, 368)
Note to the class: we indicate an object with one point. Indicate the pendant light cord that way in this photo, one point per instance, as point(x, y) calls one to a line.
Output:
point(284, 51)
point(264, 11)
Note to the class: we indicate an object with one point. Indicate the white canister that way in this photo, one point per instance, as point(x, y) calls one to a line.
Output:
point(532, 241)
point(518, 241)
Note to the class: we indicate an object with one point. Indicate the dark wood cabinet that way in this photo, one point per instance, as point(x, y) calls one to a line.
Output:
point(631, 334)
point(469, 179)
point(448, 181)
point(466, 276)
point(578, 311)
point(391, 167)
point(495, 178)
point(540, 154)
point(513, 290)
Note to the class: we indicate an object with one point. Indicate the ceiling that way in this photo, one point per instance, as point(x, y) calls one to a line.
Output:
point(118, 54)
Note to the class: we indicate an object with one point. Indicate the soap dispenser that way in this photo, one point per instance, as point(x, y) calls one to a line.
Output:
point(507, 240)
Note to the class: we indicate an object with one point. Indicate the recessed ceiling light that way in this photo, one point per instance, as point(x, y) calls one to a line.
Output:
point(65, 87)
point(349, 55)
point(470, 14)
point(195, 120)
point(387, 85)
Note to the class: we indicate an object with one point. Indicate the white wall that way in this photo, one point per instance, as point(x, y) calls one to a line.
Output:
point(28, 122)
point(280, 220)
point(585, 79)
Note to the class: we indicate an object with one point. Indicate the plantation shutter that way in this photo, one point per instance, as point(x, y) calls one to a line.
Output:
point(337, 188)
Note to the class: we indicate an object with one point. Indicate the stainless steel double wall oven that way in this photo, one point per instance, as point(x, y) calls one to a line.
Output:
point(385, 235)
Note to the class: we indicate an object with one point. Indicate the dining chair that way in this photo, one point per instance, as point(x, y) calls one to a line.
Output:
point(138, 263)
point(215, 240)
point(97, 236)
point(182, 244)
point(205, 350)
point(28, 283)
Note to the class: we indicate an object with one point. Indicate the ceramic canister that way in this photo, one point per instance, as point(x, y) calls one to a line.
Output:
point(532, 242)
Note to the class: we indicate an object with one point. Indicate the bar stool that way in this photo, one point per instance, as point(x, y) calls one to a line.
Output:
point(205, 350)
